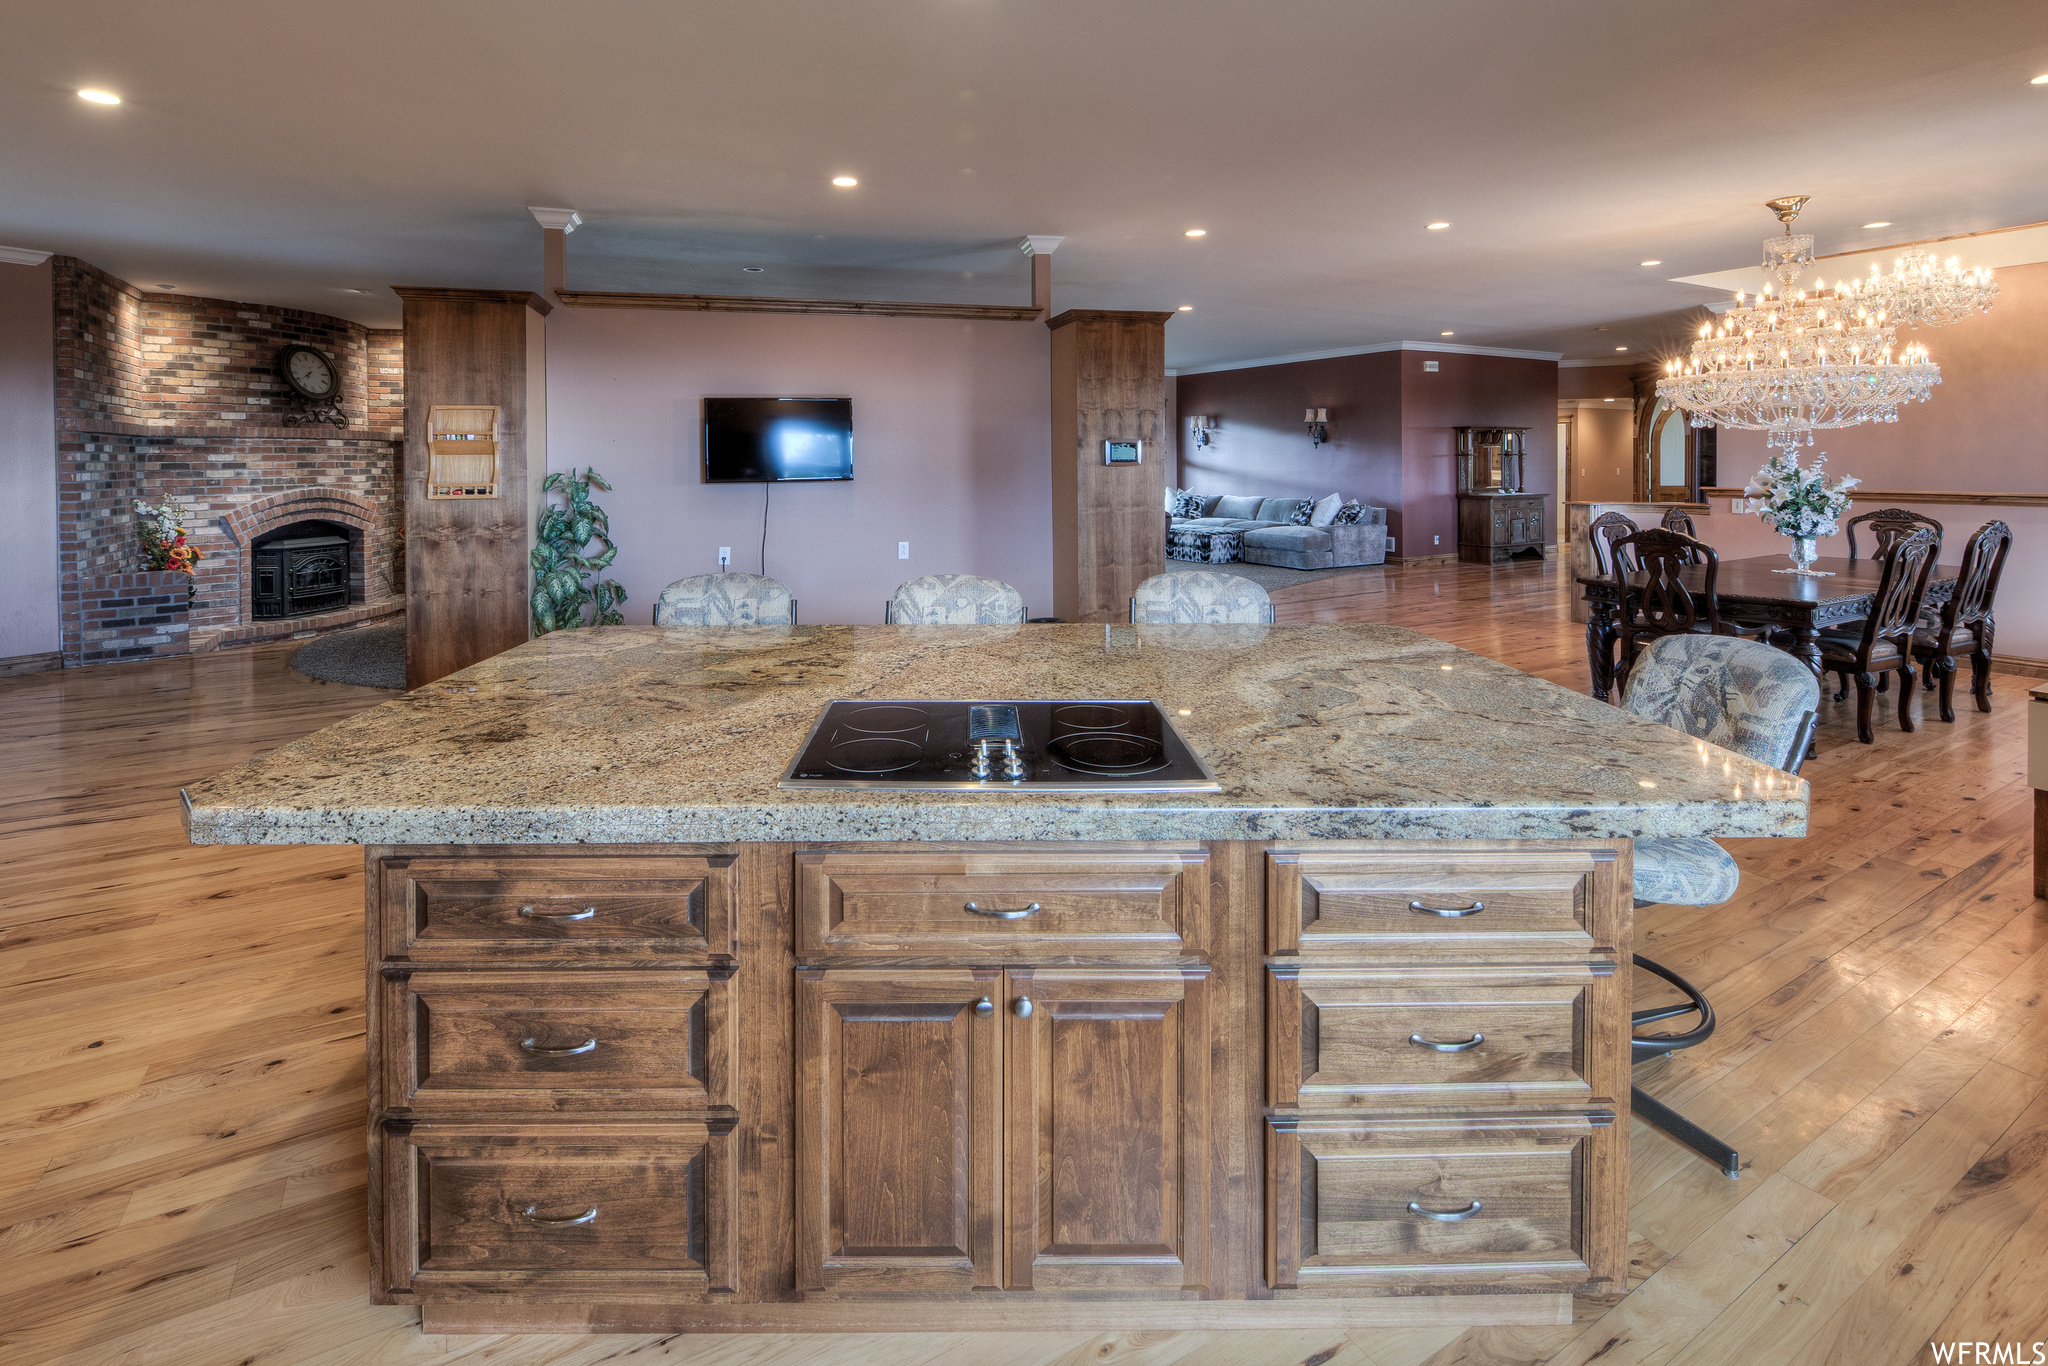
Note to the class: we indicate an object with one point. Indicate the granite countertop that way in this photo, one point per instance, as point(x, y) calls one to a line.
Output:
point(653, 734)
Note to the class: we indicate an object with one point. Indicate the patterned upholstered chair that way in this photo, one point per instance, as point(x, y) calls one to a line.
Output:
point(725, 600)
point(1745, 696)
point(955, 600)
point(1199, 597)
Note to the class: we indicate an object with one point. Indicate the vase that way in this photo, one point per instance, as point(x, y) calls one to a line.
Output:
point(1802, 554)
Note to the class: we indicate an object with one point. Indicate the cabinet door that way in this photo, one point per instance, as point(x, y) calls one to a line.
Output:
point(1106, 1127)
point(897, 1107)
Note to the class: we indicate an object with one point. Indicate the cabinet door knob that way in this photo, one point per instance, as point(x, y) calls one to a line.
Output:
point(1460, 1047)
point(1446, 1216)
point(558, 1050)
point(1448, 912)
point(984, 1007)
point(532, 1215)
point(534, 913)
point(1023, 1007)
point(998, 914)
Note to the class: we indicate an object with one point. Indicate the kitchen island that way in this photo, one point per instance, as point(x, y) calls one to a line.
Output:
point(654, 1044)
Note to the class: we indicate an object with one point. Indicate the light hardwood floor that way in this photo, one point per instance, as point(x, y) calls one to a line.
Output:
point(181, 1091)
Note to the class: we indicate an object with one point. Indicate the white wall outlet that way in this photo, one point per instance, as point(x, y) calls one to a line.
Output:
point(724, 556)
point(902, 550)
point(1390, 542)
point(1436, 540)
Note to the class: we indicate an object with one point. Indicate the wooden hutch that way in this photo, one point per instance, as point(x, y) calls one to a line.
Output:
point(1497, 520)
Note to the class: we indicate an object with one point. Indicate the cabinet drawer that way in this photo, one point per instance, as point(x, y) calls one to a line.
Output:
point(652, 1039)
point(588, 907)
point(1427, 900)
point(1408, 1036)
point(1003, 905)
point(1350, 1203)
point(565, 1208)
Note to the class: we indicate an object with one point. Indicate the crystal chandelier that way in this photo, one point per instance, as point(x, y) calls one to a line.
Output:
point(1921, 292)
point(1794, 362)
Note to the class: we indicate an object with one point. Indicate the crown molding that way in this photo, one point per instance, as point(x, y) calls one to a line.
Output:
point(1447, 348)
point(23, 256)
point(557, 220)
point(1040, 246)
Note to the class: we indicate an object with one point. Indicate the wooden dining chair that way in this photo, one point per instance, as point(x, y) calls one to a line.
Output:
point(1607, 528)
point(1887, 524)
point(1968, 609)
point(1883, 641)
point(1680, 521)
point(1660, 603)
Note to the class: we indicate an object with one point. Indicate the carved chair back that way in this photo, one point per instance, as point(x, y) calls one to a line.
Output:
point(1896, 607)
point(1976, 581)
point(1660, 603)
point(1607, 528)
point(1680, 521)
point(1888, 525)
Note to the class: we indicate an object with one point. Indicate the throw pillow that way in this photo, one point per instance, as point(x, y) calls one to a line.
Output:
point(1325, 510)
point(1172, 499)
point(1187, 503)
point(1302, 511)
point(1351, 514)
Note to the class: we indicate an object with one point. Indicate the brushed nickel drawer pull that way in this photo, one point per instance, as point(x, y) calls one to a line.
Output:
point(558, 1050)
point(1441, 1216)
point(1473, 1042)
point(1023, 1007)
point(532, 1215)
point(984, 1007)
point(529, 913)
point(1033, 909)
point(1447, 912)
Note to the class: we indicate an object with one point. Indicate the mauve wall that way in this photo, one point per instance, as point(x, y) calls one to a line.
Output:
point(1602, 466)
point(1260, 445)
point(951, 423)
point(28, 466)
point(1469, 391)
point(1981, 431)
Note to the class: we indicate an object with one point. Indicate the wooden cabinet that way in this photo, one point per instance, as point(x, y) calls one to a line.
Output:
point(1494, 528)
point(559, 907)
point(947, 1117)
point(1349, 899)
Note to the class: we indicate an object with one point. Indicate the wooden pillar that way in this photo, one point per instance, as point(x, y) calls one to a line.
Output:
point(1108, 521)
point(467, 574)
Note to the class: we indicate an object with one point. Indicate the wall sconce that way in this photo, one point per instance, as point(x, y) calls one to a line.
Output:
point(1203, 426)
point(1318, 422)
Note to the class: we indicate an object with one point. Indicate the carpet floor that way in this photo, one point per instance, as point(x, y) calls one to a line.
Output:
point(368, 656)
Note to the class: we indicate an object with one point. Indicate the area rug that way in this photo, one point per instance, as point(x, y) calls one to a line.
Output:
point(1270, 576)
point(368, 656)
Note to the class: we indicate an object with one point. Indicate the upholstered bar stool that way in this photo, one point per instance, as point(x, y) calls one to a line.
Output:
point(954, 600)
point(725, 600)
point(1200, 598)
point(1747, 697)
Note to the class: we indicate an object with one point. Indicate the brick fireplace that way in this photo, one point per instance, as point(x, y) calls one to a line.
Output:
point(160, 394)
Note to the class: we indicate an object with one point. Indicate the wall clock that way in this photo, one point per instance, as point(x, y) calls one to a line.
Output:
point(312, 376)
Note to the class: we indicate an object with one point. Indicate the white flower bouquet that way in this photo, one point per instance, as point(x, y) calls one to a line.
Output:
point(1800, 503)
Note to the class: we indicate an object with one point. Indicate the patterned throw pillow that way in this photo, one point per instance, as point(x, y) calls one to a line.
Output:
point(1303, 510)
point(1351, 514)
point(1187, 503)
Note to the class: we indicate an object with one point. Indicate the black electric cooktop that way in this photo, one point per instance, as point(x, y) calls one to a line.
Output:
point(1074, 746)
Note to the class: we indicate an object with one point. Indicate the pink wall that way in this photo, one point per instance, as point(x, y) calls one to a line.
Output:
point(1469, 391)
point(951, 449)
point(1981, 431)
point(28, 463)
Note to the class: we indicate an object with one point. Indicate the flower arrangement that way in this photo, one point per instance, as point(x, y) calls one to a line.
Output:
point(560, 564)
point(164, 544)
point(1800, 503)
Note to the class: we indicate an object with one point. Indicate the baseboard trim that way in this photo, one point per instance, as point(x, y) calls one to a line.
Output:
point(1422, 559)
point(2019, 664)
point(16, 665)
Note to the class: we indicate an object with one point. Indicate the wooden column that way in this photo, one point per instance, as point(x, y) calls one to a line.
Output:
point(1108, 521)
point(466, 569)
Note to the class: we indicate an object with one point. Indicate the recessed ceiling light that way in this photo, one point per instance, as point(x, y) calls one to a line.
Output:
point(1435, 227)
point(1653, 263)
point(1621, 348)
point(1196, 232)
point(1607, 400)
point(99, 96)
point(1447, 334)
point(346, 290)
point(753, 270)
point(166, 286)
point(1187, 308)
point(2039, 80)
point(844, 182)
point(1884, 224)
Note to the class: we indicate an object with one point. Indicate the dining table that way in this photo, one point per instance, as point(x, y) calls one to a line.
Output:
point(1757, 591)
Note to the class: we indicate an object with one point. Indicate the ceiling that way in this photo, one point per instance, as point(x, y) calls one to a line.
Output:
point(287, 153)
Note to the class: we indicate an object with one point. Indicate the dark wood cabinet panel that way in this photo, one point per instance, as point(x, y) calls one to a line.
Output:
point(503, 1208)
point(443, 909)
point(897, 1111)
point(1498, 1200)
point(651, 1039)
point(1352, 898)
point(1004, 903)
point(1432, 1036)
point(1107, 1128)
point(1493, 528)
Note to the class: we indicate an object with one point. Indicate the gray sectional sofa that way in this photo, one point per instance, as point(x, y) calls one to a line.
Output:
point(1265, 533)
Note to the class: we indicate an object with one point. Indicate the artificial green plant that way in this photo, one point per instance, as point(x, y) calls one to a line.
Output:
point(562, 568)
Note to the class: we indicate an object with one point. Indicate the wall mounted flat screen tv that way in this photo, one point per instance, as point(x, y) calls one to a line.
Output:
point(777, 440)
